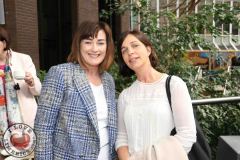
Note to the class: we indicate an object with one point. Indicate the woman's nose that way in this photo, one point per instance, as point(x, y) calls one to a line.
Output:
point(94, 47)
point(130, 51)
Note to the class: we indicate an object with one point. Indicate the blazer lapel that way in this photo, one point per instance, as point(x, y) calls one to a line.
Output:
point(111, 109)
point(106, 92)
point(85, 91)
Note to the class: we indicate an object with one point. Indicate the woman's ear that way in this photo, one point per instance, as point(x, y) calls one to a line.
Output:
point(149, 49)
point(4, 45)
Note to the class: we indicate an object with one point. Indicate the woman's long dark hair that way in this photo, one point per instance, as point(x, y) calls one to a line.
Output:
point(124, 69)
point(4, 36)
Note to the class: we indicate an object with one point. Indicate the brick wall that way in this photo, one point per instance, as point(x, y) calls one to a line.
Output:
point(10, 20)
point(22, 23)
point(86, 10)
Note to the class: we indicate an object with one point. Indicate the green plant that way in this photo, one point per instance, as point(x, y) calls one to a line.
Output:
point(219, 119)
point(41, 74)
point(120, 81)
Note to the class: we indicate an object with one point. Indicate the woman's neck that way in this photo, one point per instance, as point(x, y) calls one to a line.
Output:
point(93, 76)
point(3, 57)
point(149, 75)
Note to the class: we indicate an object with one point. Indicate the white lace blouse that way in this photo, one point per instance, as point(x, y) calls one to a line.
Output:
point(144, 114)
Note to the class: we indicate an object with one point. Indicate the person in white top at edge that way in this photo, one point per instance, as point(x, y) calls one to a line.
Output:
point(144, 114)
point(28, 84)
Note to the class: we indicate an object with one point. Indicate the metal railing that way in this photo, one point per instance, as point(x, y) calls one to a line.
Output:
point(224, 147)
point(216, 100)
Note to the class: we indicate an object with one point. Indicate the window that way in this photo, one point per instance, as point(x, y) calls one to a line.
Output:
point(2, 13)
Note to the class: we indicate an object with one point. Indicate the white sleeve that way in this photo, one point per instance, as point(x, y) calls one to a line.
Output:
point(122, 133)
point(183, 113)
point(30, 67)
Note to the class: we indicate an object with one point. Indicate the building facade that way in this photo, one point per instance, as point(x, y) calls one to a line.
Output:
point(43, 29)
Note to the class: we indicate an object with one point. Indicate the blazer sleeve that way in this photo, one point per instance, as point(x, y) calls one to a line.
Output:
point(30, 67)
point(46, 118)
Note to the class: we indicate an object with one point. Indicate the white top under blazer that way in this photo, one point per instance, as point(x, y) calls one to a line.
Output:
point(102, 116)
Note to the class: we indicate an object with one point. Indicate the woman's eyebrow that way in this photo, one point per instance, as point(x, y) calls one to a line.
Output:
point(123, 47)
point(89, 38)
point(133, 42)
point(102, 39)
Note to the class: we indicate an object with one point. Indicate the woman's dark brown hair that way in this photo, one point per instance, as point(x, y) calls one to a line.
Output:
point(4, 36)
point(86, 30)
point(124, 69)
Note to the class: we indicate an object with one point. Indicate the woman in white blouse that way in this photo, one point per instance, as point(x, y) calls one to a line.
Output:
point(144, 114)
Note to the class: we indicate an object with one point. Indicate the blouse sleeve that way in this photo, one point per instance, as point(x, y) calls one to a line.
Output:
point(122, 134)
point(183, 113)
point(30, 67)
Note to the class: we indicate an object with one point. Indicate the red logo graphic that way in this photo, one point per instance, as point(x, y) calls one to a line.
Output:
point(19, 140)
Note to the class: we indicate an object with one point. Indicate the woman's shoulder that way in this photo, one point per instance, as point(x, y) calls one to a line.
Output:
point(107, 78)
point(129, 90)
point(107, 75)
point(64, 66)
point(61, 72)
point(64, 69)
point(176, 79)
point(177, 82)
point(19, 55)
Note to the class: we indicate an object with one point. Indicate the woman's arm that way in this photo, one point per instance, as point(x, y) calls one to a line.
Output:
point(30, 69)
point(123, 153)
point(47, 113)
point(183, 113)
point(122, 141)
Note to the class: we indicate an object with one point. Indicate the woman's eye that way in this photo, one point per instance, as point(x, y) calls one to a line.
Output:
point(101, 43)
point(124, 51)
point(135, 45)
point(88, 42)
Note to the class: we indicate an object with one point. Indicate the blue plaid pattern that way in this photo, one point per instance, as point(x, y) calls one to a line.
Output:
point(66, 121)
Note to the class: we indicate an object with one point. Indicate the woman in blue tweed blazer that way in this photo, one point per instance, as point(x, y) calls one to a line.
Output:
point(76, 116)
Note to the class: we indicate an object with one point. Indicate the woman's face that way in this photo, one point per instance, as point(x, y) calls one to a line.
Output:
point(93, 49)
point(2, 46)
point(135, 54)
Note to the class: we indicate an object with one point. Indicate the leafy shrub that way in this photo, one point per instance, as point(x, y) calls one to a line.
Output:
point(41, 74)
point(218, 119)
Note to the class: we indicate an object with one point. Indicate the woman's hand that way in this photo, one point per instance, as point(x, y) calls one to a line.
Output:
point(29, 79)
point(123, 153)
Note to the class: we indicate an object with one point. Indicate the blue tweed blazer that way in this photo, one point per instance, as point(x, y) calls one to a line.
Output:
point(66, 122)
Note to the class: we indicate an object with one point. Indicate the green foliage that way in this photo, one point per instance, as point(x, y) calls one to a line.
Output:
point(120, 81)
point(219, 119)
point(41, 74)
